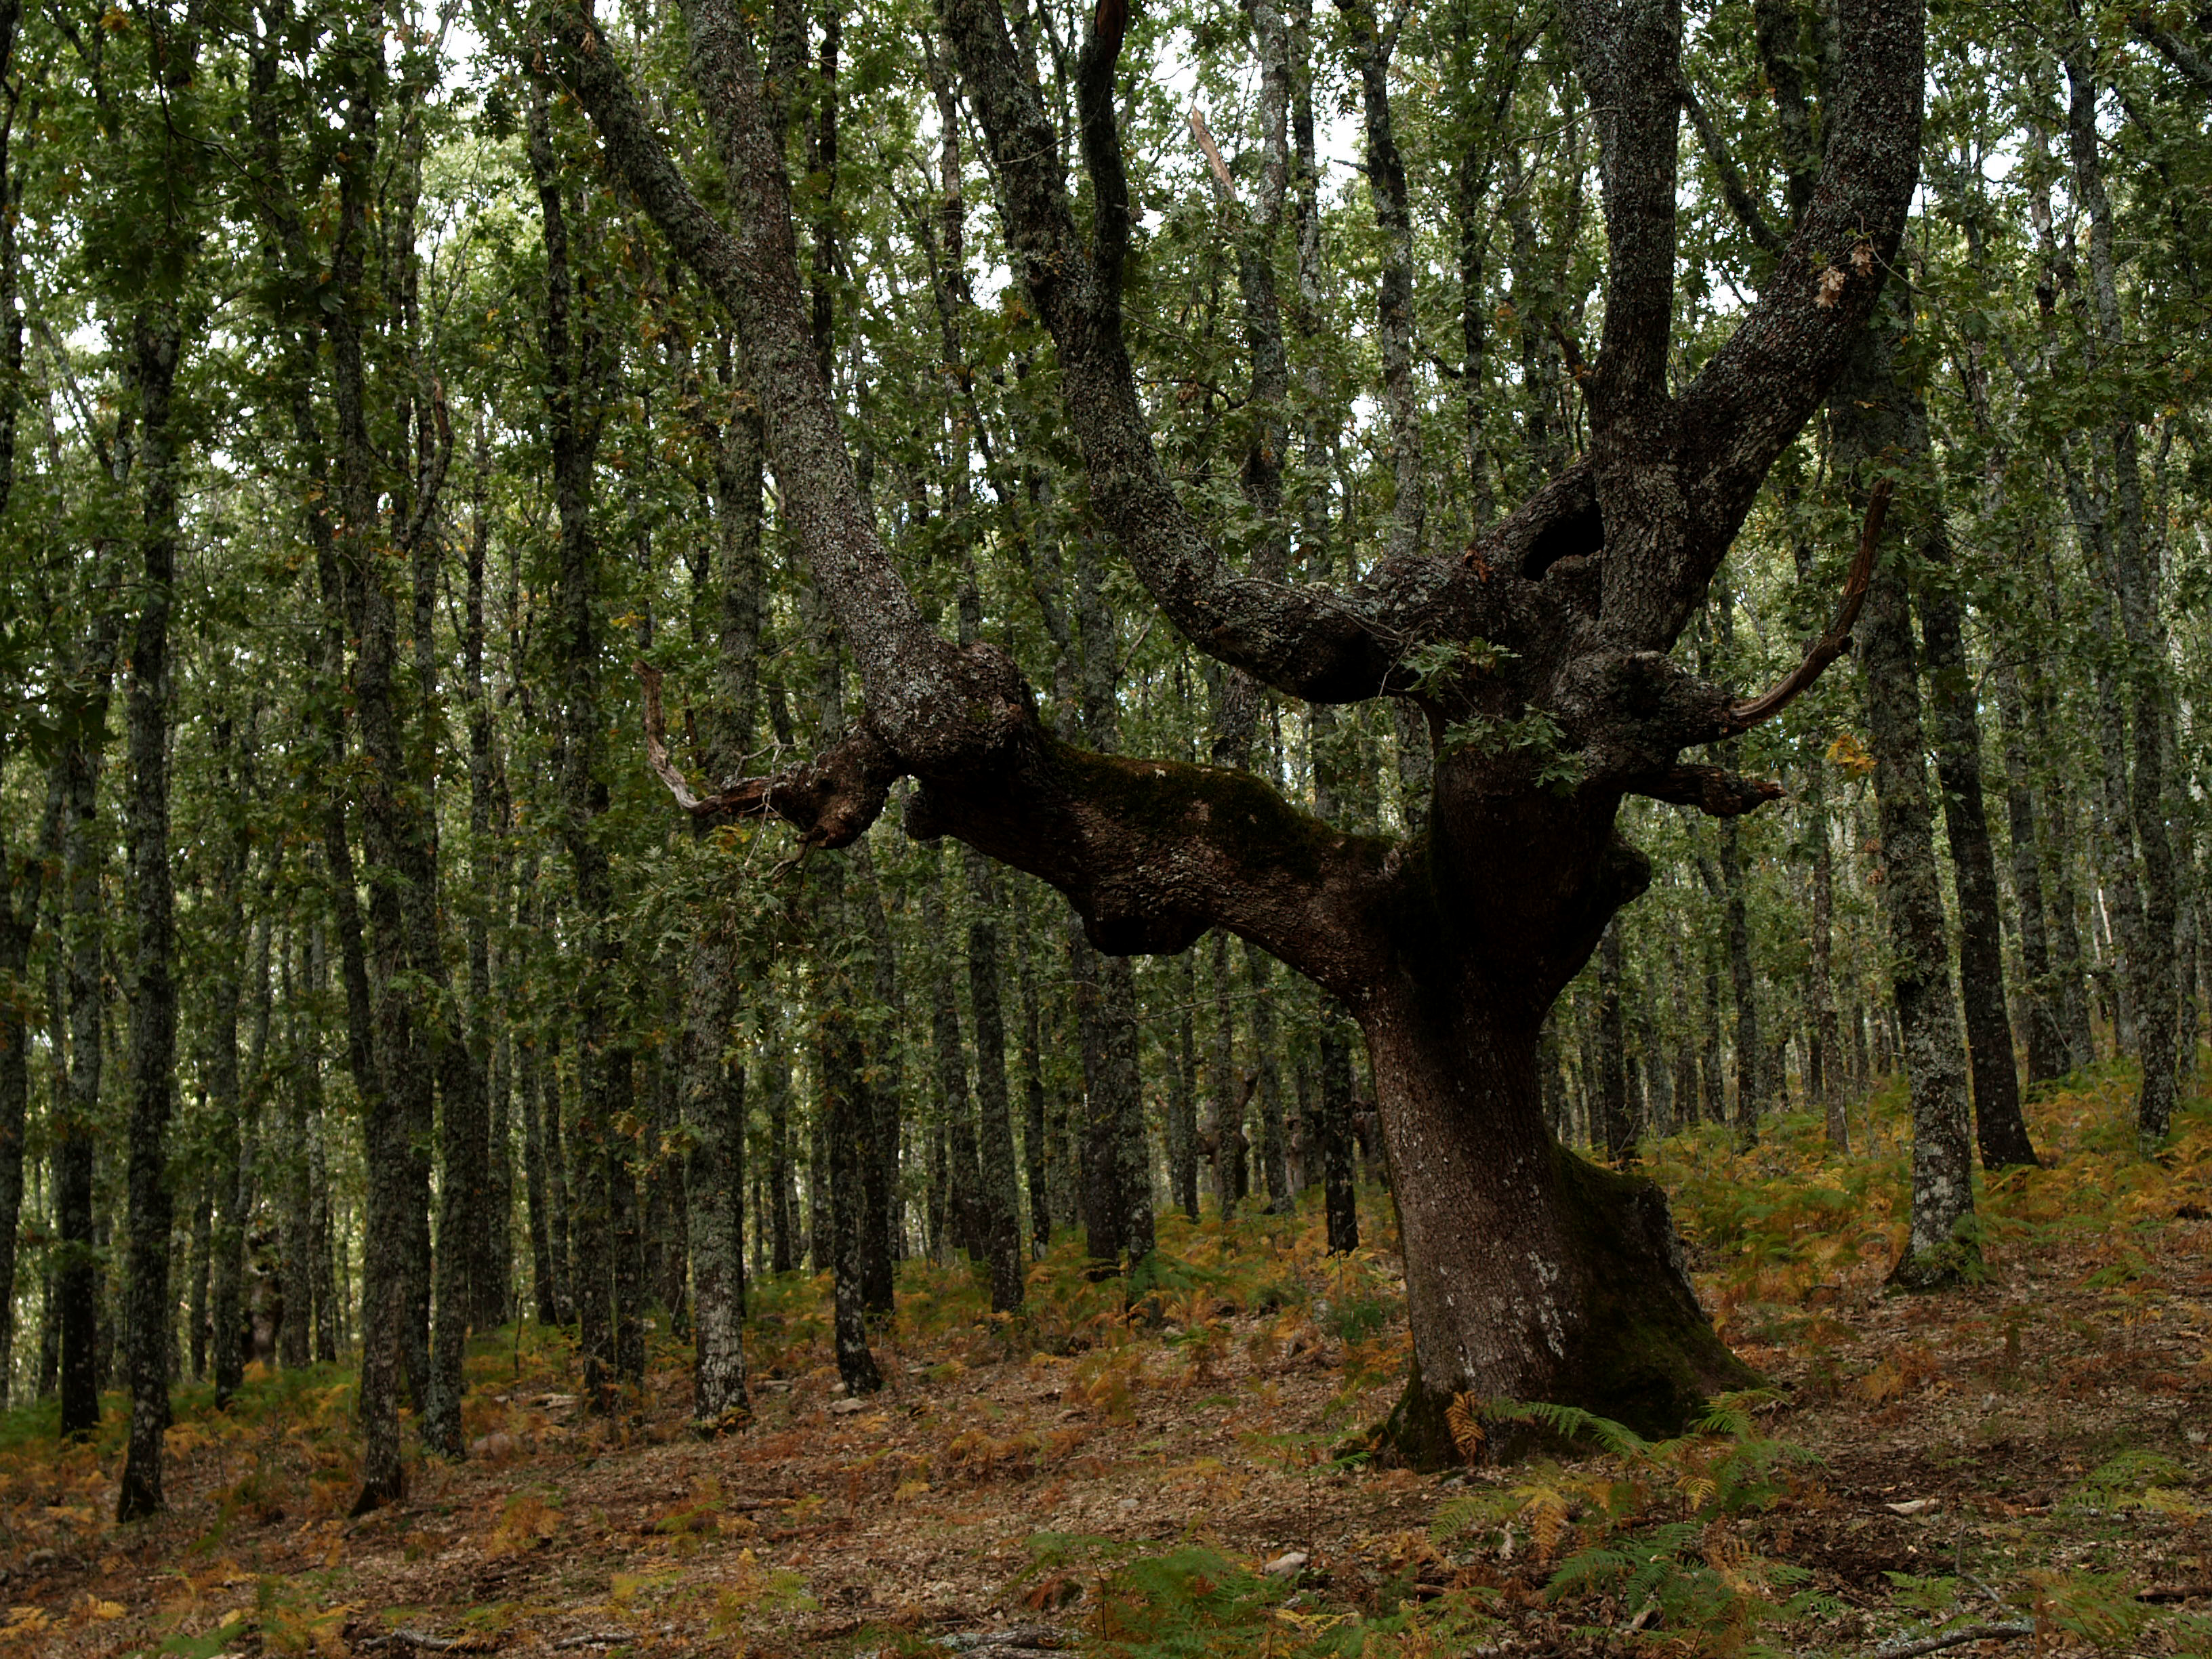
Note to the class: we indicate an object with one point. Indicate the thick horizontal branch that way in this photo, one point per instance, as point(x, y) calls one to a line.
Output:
point(1151, 854)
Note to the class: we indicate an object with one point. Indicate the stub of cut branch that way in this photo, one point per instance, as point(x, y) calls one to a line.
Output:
point(1713, 790)
point(1742, 716)
point(832, 799)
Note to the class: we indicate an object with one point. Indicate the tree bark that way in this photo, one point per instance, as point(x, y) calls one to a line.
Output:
point(228, 1165)
point(576, 359)
point(1182, 1094)
point(2000, 1129)
point(1274, 1138)
point(1339, 1195)
point(962, 1180)
point(1824, 1078)
point(2118, 533)
point(24, 879)
point(1616, 1124)
point(1597, 1265)
point(999, 1216)
point(1874, 413)
point(2047, 1049)
point(1035, 1137)
point(156, 346)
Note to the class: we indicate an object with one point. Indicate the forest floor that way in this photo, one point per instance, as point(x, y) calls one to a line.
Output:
point(2027, 1455)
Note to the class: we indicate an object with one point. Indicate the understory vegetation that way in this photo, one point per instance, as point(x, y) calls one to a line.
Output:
point(1181, 1466)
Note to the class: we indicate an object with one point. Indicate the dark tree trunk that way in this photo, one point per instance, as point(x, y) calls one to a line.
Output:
point(1999, 1127)
point(783, 1243)
point(963, 1178)
point(840, 1058)
point(226, 1163)
point(156, 346)
point(545, 1283)
point(480, 1141)
point(1875, 415)
point(1274, 1138)
point(713, 1081)
point(2047, 1056)
point(1124, 1087)
point(1614, 1129)
point(880, 1220)
point(998, 1217)
point(22, 880)
point(1596, 1264)
point(77, 1270)
point(1824, 1065)
point(1226, 1098)
point(1339, 1197)
point(1750, 1082)
point(303, 1096)
point(577, 359)
point(1035, 1138)
point(1101, 1203)
point(1182, 1096)
point(625, 1216)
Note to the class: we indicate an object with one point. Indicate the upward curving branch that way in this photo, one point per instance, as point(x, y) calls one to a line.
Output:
point(1151, 855)
point(1742, 716)
point(1311, 642)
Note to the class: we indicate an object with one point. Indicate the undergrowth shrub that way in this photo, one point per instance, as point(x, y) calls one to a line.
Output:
point(1651, 1523)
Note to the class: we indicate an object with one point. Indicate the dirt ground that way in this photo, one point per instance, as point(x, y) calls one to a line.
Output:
point(2027, 1451)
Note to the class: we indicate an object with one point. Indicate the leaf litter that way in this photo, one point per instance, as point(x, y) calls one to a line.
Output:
point(2017, 1465)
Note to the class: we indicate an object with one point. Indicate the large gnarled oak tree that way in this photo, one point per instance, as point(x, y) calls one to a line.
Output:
point(1531, 1272)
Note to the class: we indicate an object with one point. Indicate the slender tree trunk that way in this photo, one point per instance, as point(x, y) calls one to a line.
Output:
point(303, 1100)
point(1035, 1138)
point(1615, 1125)
point(840, 1058)
point(227, 1166)
point(1751, 1083)
point(76, 1272)
point(545, 1283)
point(1824, 1062)
point(2000, 1129)
point(1000, 1210)
point(577, 359)
point(1225, 1138)
point(956, 1116)
point(1339, 1196)
point(1124, 1087)
point(486, 1223)
point(2047, 1044)
point(886, 1088)
point(714, 1108)
point(2128, 570)
point(1183, 1100)
point(1876, 415)
point(1274, 1140)
point(1104, 1211)
point(156, 346)
point(25, 881)
point(783, 1244)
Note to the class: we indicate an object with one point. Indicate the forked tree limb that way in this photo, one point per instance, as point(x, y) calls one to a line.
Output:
point(1742, 716)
